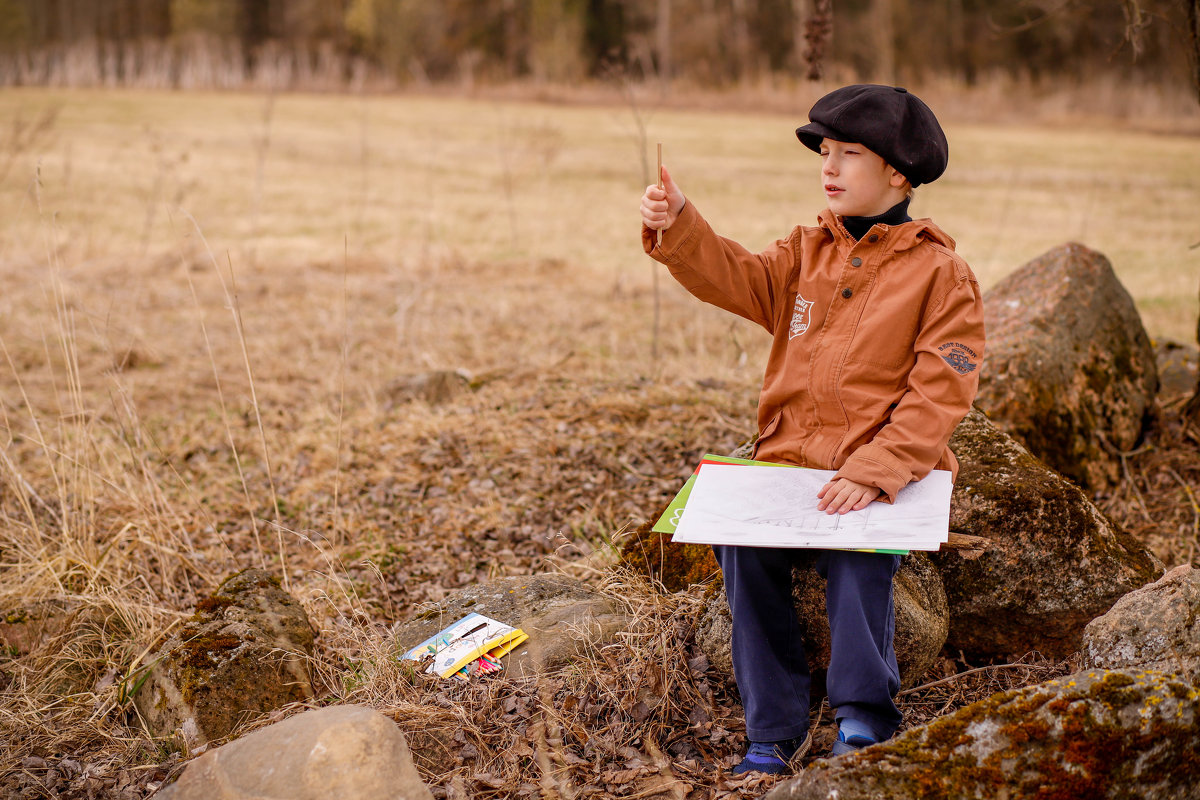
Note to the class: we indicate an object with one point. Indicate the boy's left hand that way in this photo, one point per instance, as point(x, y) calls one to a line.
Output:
point(842, 495)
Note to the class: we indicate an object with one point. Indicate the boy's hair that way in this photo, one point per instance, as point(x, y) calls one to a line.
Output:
point(889, 120)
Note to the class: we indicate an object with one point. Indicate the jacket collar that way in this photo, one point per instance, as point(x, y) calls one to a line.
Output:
point(904, 237)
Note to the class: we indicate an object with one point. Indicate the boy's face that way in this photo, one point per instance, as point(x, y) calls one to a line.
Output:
point(857, 182)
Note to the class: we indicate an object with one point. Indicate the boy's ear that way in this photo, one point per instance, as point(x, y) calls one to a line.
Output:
point(897, 180)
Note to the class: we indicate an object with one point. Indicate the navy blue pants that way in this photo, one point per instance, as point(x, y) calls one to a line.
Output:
point(768, 648)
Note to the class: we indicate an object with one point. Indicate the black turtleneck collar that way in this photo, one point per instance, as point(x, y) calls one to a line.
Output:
point(896, 215)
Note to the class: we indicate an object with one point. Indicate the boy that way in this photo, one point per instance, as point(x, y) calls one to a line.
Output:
point(878, 338)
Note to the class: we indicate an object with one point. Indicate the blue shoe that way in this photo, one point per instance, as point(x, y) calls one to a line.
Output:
point(773, 758)
point(852, 741)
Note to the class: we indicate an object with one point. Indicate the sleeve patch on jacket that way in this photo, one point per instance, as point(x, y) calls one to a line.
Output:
point(960, 357)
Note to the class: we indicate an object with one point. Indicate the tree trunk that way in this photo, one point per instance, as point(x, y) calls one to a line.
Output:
point(883, 24)
point(1192, 7)
point(801, 11)
point(743, 53)
point(662, 40)
point(818, 30)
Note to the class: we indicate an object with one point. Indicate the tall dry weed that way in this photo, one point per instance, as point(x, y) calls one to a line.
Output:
point(96, 559)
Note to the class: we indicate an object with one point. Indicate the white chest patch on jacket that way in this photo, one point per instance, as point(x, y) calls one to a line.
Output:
point(799, 317)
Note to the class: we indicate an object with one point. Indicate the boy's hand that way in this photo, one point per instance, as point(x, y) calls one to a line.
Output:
point(842, 495)
point(661, 207)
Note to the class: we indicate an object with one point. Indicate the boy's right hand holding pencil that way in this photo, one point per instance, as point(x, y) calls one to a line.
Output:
point(661, 204)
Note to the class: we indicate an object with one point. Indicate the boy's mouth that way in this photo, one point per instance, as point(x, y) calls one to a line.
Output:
point(831, 189)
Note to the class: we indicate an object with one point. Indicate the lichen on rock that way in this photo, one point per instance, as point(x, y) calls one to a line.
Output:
point(1155, 627)
point(1088, 736)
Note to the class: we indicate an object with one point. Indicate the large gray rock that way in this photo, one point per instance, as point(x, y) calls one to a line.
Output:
point(1156, 627)
point(1094, 735)
point(1053, 563)
point(1068, 368)
point(245, 651)
point(342, 752)
point(563, 617)
point(922, 620)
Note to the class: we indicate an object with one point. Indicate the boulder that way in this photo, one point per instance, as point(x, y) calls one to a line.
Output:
point(343, 752)
point(1178, 369)
point(714, 633)
point(563, 617)
point(1053, 563)
point(1068, 368)
point(245, 651)
point(922, 620)
point(1093, 735)
point(1155, 627)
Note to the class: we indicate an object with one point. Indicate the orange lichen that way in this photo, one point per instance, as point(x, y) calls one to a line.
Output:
point(1064, 740)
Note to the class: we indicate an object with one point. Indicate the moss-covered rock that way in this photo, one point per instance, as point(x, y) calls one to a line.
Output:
point(244, 651)
point(1094, 735)
point(1069, 369)
point(1054, 562)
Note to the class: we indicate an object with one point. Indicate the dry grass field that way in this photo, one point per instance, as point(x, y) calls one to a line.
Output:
point(215, 305)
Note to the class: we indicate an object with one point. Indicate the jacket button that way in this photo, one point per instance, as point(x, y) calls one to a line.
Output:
point(846, 293)
point(874, 237)
point(856, 262)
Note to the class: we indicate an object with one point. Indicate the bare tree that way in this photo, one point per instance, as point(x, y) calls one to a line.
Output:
point(818, 31)
point(662, 40)
point(1192, 11)
point(742, 49)
point(883, 22)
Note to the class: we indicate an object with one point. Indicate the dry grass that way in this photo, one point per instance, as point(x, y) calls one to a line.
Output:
point(419, 181)
point(211, 301)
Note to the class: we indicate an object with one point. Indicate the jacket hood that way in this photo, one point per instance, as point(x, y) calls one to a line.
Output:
point(908, 235)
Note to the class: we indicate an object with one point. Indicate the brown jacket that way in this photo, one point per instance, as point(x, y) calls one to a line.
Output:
point(877, 345)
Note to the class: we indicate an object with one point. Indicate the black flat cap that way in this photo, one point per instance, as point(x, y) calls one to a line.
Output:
point(889, 120)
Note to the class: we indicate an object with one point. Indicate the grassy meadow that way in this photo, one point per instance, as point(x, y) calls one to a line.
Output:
point(215, 307)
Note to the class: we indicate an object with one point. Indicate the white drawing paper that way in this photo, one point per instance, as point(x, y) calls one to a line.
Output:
point(777, 507)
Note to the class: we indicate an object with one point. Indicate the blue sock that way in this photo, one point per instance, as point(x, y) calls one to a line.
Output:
point(850, 727)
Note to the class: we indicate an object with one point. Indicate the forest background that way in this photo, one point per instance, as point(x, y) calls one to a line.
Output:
point(333, 43)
